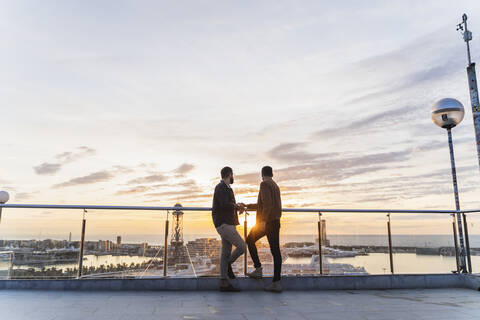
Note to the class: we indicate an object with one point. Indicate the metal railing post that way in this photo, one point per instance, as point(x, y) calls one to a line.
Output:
point(82, 245)
point(245, 226)
point(467, 243)
point(455, 241)
point(165, 249)
point(320, 258)
point(390, 251)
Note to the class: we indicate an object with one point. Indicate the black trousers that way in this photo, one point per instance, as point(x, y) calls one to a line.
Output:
point(272, 231)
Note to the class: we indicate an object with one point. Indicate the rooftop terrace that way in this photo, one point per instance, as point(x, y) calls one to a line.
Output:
point(360, 304)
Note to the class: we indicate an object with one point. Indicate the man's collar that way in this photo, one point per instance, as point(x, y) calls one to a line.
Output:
point(225, 184)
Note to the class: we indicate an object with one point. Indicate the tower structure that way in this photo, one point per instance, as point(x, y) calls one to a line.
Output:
point(177, 248)
point(177, 226)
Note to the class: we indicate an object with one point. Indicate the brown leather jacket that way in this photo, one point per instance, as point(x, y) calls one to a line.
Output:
point(269, 203)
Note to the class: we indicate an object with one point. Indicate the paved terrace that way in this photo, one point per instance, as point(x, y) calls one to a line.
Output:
point(427, 297)
point(355, 304)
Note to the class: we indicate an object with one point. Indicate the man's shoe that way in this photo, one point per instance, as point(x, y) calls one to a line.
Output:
point(229, 288)
point(274, 287)
point(230, 273)
point(256, 274)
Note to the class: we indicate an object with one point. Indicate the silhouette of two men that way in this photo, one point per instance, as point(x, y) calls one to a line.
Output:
point(225, 218)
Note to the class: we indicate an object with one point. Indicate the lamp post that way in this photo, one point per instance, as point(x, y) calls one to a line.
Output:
point(4, 196)
point(447, 113)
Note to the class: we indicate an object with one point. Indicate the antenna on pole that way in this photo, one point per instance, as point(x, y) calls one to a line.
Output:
point(472, 82)
point(467, 35)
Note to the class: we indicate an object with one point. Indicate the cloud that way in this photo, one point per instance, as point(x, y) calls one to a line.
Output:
point(63, 158)
point(377, 199)
point(401, 188)
point(402, 80)
point(186, 191)
point(21, 196)
point(181, 190)
point(184, 169)
point(412, 80)
point(164, 176)
point(435, 144)
point(290, 152)
point(95, 177)
point(147, 165)
point(371, 122)
point(435, 57)
point(70, 156)
point(190, 183)
point(134, 190)
point(47, 168)
point(121, 169)
point(334, 169)
point(157, 177)
point(300, 205)
point(187, 195)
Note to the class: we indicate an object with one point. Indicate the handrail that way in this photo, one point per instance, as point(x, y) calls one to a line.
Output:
point(159, 208)
point(84, 208)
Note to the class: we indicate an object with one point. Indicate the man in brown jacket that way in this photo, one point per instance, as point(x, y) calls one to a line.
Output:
point(269, 211)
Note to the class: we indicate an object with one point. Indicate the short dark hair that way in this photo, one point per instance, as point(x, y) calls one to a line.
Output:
point(267, 171)
point(225, 172)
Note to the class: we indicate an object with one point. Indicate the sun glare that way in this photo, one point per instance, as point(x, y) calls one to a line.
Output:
point(250, 220)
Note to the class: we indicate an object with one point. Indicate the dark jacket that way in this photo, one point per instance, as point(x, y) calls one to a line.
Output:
point(269, 203)
point(223, 207)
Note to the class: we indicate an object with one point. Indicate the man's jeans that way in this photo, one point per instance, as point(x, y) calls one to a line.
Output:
point(272, 231)
point(230, 237)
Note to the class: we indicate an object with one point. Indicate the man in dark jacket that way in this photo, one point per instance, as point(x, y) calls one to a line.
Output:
point(269, 211)
point(225, 219)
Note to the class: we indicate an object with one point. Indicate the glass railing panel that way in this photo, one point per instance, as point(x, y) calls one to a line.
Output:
point(123, 244)
point(298, 245)
point(39, 244)
point(423, 243)
point(193, 245)
point(6, 264)
point(355, 244)
point(473, 220)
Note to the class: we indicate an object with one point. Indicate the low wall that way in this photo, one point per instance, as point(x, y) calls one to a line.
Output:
point(472, 281)
point(410, 281)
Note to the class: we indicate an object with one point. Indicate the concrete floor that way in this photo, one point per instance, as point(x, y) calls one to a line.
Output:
point(372, 304)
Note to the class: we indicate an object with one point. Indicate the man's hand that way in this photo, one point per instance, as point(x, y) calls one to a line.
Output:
point(240, 207)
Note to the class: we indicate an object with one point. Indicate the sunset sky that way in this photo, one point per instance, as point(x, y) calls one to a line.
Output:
point(142, 103)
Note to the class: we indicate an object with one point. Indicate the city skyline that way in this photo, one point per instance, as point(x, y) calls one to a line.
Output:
point(143, 104)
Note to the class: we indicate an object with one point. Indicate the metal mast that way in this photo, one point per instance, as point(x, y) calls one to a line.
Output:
point(472, 82)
